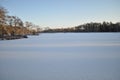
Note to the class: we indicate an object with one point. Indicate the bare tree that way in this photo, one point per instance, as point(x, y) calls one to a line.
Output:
point(10, 20)
point(17, 22)
point(3, 12)
point(28, 24)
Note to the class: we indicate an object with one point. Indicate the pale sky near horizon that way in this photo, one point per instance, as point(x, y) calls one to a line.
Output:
point(63, 13)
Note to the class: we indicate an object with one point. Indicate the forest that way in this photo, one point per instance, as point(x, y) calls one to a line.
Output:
point(90, 27)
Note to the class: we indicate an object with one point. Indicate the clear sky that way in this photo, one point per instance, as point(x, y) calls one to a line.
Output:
point(63, 13)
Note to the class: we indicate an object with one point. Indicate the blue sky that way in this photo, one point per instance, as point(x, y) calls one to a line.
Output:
point(63, 13)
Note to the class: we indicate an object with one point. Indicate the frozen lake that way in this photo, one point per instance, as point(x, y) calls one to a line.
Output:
point(61, 56)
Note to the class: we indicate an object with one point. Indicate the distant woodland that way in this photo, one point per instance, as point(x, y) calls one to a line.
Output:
point(13, 25)
point(90, 27)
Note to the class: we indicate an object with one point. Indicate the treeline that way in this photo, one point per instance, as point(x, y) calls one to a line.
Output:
point(13, 25)
point(90, 27)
